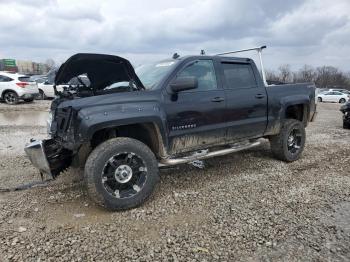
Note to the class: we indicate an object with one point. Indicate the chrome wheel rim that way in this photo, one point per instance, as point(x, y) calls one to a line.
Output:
point(124, 175)
point(294, 141)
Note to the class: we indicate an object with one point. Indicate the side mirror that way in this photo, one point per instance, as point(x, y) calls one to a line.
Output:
point(183, 83)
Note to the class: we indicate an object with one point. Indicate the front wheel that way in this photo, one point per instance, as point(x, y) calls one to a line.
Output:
point(289, 144)
point(342, 101)
point(319, 99)
point(121, 173)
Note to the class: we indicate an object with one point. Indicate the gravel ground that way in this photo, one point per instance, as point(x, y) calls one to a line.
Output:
point(245, 206)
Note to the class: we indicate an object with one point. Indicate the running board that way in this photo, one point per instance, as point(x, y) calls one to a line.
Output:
point(204, 154)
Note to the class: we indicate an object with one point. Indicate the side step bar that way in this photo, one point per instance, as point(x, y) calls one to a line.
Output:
point(204, 154)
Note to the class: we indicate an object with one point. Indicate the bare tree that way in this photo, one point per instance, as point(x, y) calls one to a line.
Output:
point(50, 63)
point(271, 75)
point(305, 74)
point(329, 76)
point(323, 77)
point(285, 73)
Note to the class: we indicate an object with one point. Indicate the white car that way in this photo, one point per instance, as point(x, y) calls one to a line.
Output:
point(15, 87)
point(46, 90)
point(344, 91)
point(333, 96)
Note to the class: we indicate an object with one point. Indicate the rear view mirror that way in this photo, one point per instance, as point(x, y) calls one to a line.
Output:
point(183, 83)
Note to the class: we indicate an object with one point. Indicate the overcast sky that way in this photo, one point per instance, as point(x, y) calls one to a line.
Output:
point(297, 32)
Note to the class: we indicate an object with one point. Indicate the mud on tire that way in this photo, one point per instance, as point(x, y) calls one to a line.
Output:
point(289, 144)
point(121, 173)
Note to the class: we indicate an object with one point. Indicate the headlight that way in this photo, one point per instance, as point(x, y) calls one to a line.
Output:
point(49, 122)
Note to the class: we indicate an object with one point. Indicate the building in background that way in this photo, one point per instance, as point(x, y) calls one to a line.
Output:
point(23, 67)
point(9, 65)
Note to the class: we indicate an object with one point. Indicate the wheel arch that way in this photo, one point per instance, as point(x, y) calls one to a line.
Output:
point(298, 112)
point(8, 90)
point(296, 107)
point(147, 132)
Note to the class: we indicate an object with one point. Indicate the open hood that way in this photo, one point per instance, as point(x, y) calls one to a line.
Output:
point(102, 70)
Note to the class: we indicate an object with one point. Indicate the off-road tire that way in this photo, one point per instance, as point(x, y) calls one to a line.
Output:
point(279, 143)
point(96, 162)
point(11, 98)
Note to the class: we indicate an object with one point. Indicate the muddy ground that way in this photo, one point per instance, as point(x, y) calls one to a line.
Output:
point(244, 206)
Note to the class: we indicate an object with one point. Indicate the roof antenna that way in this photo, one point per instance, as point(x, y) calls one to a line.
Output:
point(202, 52)
point(176, 56)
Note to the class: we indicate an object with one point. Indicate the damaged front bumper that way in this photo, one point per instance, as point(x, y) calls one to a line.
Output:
point(36, 154)
point(49, 157)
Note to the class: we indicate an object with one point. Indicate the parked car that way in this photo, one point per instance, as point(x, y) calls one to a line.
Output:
point(46, 89)
point(345, 109)
point(333, 96)
point(40, 80)
point(344, 91)
point(37, 78)
point(167, 113)
point(15, 87)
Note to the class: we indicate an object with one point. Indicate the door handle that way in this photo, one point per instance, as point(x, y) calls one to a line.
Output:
point(218, 99)
point(259, 96)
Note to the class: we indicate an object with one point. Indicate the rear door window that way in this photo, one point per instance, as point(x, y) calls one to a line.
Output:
point(238, 75)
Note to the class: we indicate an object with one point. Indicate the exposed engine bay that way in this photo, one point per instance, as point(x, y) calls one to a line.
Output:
point(86, 75)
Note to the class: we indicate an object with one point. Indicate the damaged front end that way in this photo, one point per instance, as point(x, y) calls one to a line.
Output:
point(49, 157)
point(102, 74)
point(54, 155)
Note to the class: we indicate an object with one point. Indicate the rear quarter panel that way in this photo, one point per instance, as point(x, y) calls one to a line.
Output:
point(280, 97)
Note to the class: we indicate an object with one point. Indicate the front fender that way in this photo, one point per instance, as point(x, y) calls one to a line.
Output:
point(97, 118)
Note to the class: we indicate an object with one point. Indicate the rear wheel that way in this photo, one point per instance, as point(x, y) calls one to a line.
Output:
point(121, 173)
point(28, 99)
point(319, 99)
point(11, 98)
point(289, 144)
point(41, 95)
point(342, 100)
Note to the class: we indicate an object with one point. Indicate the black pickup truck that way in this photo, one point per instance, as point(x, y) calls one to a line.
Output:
point(123, 124)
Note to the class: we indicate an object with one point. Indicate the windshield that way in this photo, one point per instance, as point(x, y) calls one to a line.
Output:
point(151, 74)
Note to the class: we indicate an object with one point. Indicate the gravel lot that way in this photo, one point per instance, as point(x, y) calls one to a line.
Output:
point(244, 206)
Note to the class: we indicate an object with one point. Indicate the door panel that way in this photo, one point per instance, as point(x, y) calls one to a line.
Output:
point(195, 118)
point(246, 102)
point(4, 83)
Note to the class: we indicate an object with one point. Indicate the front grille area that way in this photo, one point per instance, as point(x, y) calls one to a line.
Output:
point(61, 121)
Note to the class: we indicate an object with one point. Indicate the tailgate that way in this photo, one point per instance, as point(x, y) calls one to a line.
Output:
point(32, 87)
